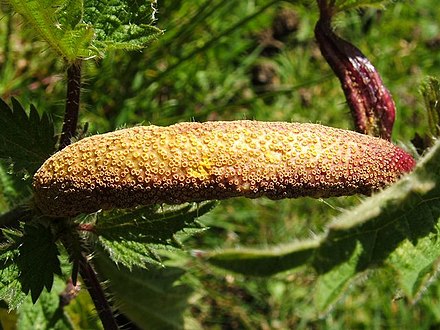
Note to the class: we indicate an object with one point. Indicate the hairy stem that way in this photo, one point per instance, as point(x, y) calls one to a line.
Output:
point(72, 103)
point(77, 254)
point(97, 293)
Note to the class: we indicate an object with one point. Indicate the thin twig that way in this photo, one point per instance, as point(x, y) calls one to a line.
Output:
point(72, 103)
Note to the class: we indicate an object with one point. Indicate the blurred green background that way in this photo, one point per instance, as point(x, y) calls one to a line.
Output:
point(249, 59)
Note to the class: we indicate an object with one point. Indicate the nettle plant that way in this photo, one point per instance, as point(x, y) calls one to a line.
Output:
point(111, 207)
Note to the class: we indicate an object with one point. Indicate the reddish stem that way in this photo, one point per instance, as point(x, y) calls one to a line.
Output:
point(86, 227)
point(96, 292)
point(72, 104)
point(82, 265)
point(371, 104)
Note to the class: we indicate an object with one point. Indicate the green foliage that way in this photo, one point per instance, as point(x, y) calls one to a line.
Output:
point(130, 253)
point(186, 60)
point(25, 140)
point(152, 299)
point(46, 313)
point(10, 286)
point(123, 24)
point(79, 31)
point(132, 238)
point(37, 260)
point(344, 5)
point(14, 189)
point(82, 313)
point(401, 220)
point(265, 262)
point(59, 23)
point(430, 90)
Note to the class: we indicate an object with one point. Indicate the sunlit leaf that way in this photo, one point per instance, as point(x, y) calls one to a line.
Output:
point(131, 239)
point(46, 313)
point(78, 30)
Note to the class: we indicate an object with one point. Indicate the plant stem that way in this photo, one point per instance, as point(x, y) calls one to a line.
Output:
point(97, 293)
point(371, 103)
point(72, 103)
point(7, 45)
point(72, 243)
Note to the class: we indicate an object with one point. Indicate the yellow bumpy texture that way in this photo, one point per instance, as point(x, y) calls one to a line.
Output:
point(214, 160)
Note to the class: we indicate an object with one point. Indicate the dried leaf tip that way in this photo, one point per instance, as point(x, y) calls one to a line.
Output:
point(190, 162)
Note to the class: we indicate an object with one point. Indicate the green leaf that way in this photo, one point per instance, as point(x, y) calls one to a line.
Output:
point(37, 260)
point(264, 262)
point(416, 265)
point(46, 313)
point(375, 233)
point(130, 253)
point(151, 225)
point(10, 286)
point(25, 140)
point(132, 238)
point(78, 30)
point(330, 286)
point(152, 299)
point(13, 188)
point(53, 21)
point(121, 24)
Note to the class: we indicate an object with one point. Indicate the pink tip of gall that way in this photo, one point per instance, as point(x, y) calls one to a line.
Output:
point(406, 162)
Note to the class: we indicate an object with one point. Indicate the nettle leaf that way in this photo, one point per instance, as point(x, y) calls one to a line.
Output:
point(10, 286)
point(263, 262)
point(152, 299)
point(46, 313)
point(395, 227)
point(78, 30)
point(416, 265)
point(14, 189)
point(59, 24)
point(122, 24)
point(25, 140)
point(37, 260)
point(132, 238)
point(151, 225)
point(130, 253)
